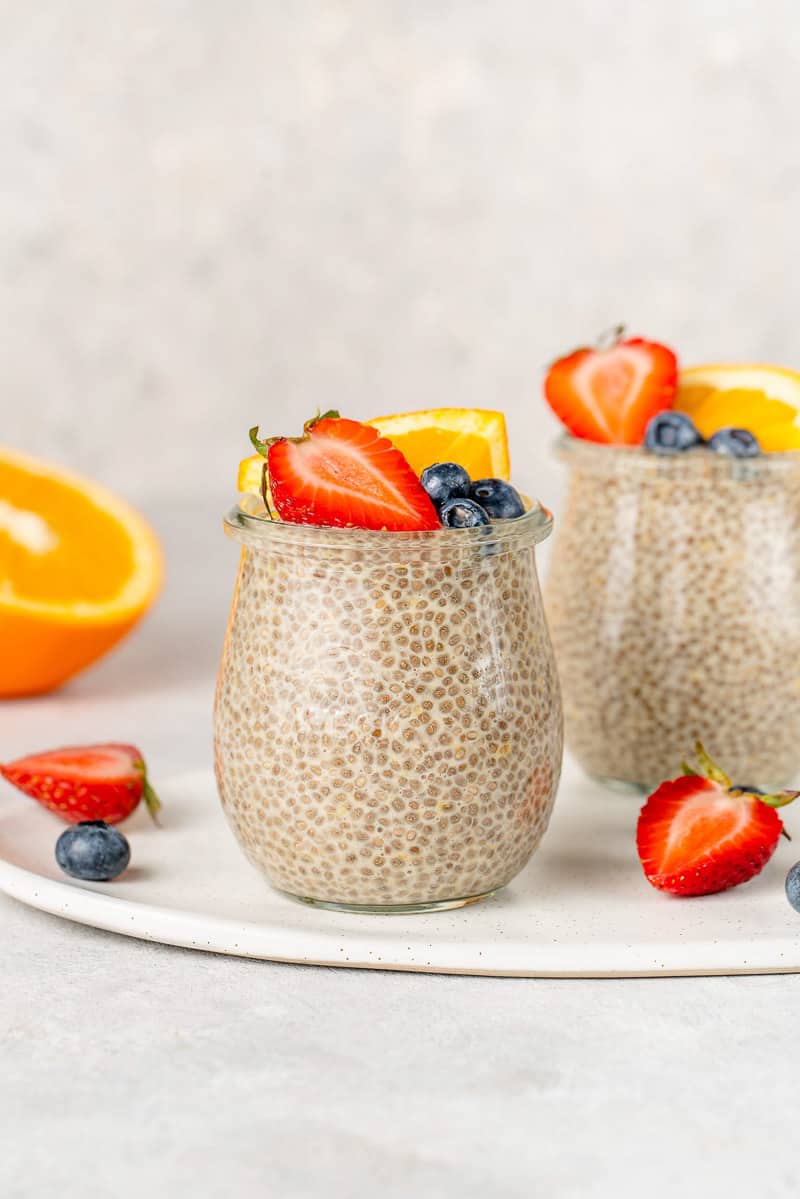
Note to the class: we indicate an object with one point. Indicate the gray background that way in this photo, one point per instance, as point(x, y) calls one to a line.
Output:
point(213, 214)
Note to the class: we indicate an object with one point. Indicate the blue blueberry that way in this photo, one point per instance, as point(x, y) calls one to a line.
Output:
point(737, 443)
point(93, 850)
point(445, 481)
point(793, 886)
point(671, 433)
point(462, 513)
point(499, 499)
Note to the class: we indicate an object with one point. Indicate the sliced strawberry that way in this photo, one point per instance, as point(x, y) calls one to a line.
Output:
point(610, 394)
point(343, 473)
point(89, 782)
point(698, 833)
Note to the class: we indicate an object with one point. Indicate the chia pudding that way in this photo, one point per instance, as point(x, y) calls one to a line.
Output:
point(674, 603)
point(388, 720)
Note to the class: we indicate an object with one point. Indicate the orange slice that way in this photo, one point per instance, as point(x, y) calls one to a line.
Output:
point(779, 437)
point(763, 399)
point(475, 438)
point(250, 470)
point(78, 568)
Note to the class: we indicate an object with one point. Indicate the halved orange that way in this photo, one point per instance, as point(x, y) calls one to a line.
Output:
point(763, 399)
point(475, 438)
point(78, 568)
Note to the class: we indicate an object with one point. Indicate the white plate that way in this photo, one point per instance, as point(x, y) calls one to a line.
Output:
point(581, 909)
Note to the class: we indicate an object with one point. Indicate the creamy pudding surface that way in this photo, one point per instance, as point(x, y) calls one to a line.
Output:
point(388, 717)
point(674, 605)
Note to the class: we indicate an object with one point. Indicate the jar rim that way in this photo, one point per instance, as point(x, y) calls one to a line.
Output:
point(602, 458)
point(249, 523)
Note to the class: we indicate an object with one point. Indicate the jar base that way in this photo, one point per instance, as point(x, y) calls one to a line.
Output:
point(621, 786)
point(390, 909)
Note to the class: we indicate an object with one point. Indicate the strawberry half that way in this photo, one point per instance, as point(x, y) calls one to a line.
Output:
point(698, 834)
point(343, 473)
point(89, 782)
point(610, 393)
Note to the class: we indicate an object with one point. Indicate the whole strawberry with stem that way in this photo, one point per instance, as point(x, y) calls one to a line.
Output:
point(89, 782)
point(699, 833)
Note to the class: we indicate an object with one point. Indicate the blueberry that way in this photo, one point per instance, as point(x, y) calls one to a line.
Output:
point(93, 850)
point(499, 499)
point(793, 886)
point(462, 513)
point(445, 481)
point(671, 433)
point(737, 443)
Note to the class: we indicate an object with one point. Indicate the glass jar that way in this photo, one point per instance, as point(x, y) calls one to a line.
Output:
point(674, 604)
point(388, 725)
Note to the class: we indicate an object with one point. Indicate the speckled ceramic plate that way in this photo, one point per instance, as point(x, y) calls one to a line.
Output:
point(581, 909)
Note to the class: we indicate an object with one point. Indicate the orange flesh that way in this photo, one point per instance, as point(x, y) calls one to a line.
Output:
point(78, 568)
point(423, 447)
point(88, 555)
point(691, 395)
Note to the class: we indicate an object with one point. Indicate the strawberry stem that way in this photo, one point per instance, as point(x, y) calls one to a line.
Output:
point(610, 337)
point(262, 447)
point(152, 800)
point(780, 799)
point(709, 769)
point(148, 793)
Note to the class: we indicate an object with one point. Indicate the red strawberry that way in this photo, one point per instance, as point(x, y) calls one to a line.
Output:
point(698, 834)
point(611, 393)
point(343, 473)
point(89, 782)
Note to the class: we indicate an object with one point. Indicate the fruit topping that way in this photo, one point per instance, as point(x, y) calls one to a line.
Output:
point(736, 443)
point(472, 438)
point(89, 782)
point(610, 393)
point(498, 498)
point(459, 513)
point(699, 833)
point(444, 481)
point(793, 886)
point(763, 399)
point(778, 438)
point(345, 474)
point(671, 433)
point(475, 438)
point(93, 850)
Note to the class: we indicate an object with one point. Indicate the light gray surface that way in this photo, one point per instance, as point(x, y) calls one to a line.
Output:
point(128, 1068)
